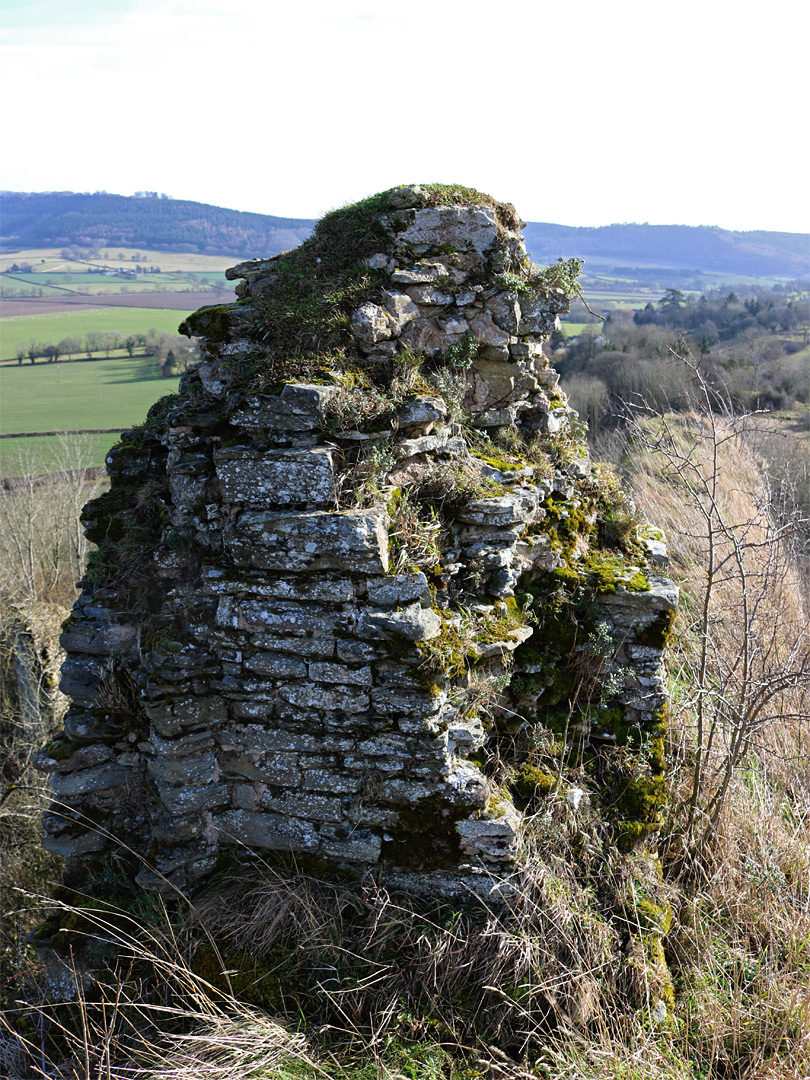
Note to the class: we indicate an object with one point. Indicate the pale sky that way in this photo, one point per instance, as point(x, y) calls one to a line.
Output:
point(580, 113)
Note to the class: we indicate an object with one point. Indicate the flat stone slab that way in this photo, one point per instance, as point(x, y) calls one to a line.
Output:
point(276, 477)
point(354, 540)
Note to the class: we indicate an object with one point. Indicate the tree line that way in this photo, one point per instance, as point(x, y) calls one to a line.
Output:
point(174, 353)
point(61, 219)
point(753, 346)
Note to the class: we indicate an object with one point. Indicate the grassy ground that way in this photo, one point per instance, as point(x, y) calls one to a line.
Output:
point(82, 394)
point(19, 457)
point(21, 329)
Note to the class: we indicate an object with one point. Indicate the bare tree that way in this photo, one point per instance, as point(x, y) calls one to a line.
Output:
point(43, 549)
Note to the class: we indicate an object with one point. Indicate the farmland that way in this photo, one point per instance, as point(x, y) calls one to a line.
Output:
point(51, 260)
point(54, 326)
point(77, 395)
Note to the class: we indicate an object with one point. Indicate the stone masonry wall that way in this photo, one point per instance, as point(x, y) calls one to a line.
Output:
point(339, 588)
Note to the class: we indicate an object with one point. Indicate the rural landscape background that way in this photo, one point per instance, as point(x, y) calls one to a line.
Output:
point(702, 330)
point(93, 287)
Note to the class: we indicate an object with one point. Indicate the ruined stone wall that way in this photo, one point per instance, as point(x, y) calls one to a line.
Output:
point(344, 580)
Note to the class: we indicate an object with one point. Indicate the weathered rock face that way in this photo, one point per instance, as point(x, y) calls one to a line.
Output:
point(353, 568)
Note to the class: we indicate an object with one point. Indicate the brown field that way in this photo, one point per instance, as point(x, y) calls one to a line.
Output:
point(41, 305)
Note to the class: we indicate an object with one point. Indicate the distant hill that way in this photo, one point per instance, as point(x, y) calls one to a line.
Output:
point(701, 247)
point(62, 219)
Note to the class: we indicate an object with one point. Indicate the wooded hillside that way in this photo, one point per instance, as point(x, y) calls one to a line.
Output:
point(55, 219)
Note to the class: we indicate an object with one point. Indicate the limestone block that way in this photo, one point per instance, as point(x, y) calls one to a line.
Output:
point(69, 845)
point(466, 785)
point(277, 665)
point(182, 746)
point(304, 804)
point(126, 462)
point(455, 327)
point(469, 296)
point(414, 623)
point(81, 676)
point(429, 295)
point(511, 509)
point(355, 540)
point(190, 799)
point(214, 380)
point(505, 311)
point(187, 491)
point(386, 745)
point(425, 444)
point(497, 381)
point(379, 261)
point(501, 648)
point(395, 701)
point(266, 767)
point(401, 310)
point(320, 779)
point(421, 273)
point(460, 227)
point(398, 590)
point(358, 846)
point(424, 335)
point(538, 315)
point(315, 696)
point(85, 727)
point(338, 673)
point(281, 616)
point(661, 596)
point(262, 737)
point(273, 832)
point(489, 334)
point(195, 769)
point(186, 712)
point(247, 268)
point(300, 407)
point(350, 650)
point(322, 646)
point(330, 588)
point(381, 765)
point(556, 420)
point(464, 737)
point(276, 477)
point(529, 350)
point(494, 839)
point(83, 758)
point(370, 323)
point(423, 413)
point(399, 791)
point(83, 781)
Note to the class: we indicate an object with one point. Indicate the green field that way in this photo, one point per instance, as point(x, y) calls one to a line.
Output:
point(45, 260)
point(81, 394)
point(573, 329)
point(51, 328)
point(32, 457)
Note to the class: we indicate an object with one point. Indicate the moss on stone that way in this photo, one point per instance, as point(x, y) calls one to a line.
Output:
point(530, 783)
point(656, 633)
point(213, 323)
point(60, 748)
